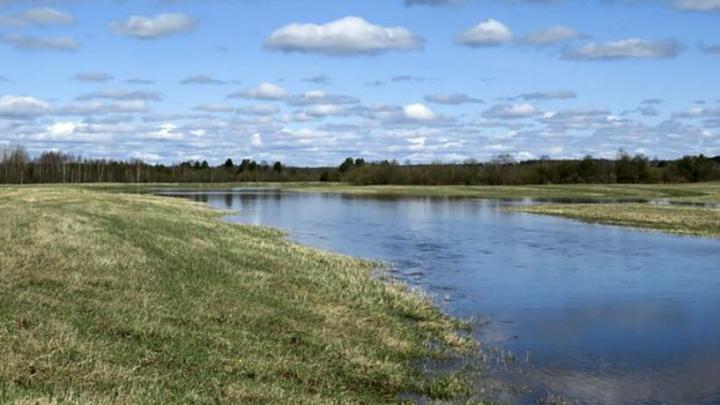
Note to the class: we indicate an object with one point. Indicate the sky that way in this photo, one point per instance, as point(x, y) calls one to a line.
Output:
point(310, 82)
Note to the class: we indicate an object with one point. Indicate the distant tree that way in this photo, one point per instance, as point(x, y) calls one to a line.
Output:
point(278, 167)
point(229, 164)
point(346, 165)
point(244, 166)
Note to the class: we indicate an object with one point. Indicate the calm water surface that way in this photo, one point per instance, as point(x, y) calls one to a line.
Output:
point(604, 314)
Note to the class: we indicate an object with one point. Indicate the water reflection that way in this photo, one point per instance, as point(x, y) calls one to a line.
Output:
point(604, 314)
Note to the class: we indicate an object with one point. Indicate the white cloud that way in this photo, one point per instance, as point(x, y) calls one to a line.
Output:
point(22, 107)
point(40, 16)
point(161, 25)
point(322, 97)
point(48, 16)
point(264, 91)
point(487, 33)
point(62, 129)
point(697, 5)
point(511, 111)
point(324, 110)
point(418, 112)
point(550, 36)
point(347, 36)
point(166, 131)
point(631, 48)
point(29, 43)
point(256, 140)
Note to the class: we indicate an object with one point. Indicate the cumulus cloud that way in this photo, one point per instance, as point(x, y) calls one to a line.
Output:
point(451, 99)
point(418, 112)
point(22, 107)
point(30, 43)
point(162, 25)
point(93, 77)
point(264, 91)
point(697, 5)
point(511, 111)
point(39, 16)
point(551, 36)
point(631, 48)
point(487, 33)
point(202, 79)
point(344, 37)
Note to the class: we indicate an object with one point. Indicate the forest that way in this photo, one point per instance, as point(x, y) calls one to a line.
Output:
point(18, 167)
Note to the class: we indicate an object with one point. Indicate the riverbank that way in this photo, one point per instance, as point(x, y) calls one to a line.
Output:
point(681, 220)
point(110, 297)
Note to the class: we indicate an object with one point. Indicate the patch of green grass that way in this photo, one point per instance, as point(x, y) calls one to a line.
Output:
point(110, 297)
point(695, 221)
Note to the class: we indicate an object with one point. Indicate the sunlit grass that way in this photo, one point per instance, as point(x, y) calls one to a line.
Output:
point(116, 298)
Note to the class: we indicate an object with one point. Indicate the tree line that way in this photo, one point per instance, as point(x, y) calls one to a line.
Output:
point(17, 167)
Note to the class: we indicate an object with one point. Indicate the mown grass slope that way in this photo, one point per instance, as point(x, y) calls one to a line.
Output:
point(108, 297)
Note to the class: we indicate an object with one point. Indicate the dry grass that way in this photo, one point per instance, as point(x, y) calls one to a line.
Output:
point(108, 297)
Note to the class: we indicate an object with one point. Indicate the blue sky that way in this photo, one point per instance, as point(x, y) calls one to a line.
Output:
point(311, 82)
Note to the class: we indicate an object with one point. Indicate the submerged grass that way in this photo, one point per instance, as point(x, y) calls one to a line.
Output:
point(110, 297)
point(695, 221)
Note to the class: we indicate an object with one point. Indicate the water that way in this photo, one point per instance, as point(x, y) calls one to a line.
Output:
point(604, 314)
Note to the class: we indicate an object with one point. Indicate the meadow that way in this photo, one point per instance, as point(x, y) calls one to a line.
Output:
point(114, 297)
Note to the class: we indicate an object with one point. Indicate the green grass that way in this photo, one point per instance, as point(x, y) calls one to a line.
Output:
point(117, 298)
point(680, 220)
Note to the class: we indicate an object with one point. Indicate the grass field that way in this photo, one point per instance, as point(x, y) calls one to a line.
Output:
point(118, 298)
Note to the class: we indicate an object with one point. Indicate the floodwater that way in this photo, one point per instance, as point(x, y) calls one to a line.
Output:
point(592, 313)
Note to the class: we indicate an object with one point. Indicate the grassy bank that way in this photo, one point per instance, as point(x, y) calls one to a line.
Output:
point(693, 221)
point(698, 192)
point(109, 297)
